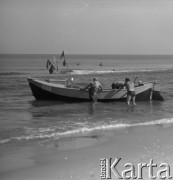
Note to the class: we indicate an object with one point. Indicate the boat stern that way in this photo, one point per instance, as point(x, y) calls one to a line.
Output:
point(156, 95)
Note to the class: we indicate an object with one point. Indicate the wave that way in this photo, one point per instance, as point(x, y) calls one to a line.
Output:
point(43, 133)
point(91, 72)
point(84, 72)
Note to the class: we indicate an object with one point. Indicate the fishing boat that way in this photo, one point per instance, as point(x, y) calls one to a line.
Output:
point(62, 90)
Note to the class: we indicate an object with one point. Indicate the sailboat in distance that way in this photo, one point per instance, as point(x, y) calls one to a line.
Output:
point(62, 56)
point(64, 63)
point(53, 64)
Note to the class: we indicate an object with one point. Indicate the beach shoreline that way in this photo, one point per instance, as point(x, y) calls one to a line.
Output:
point(79, 157)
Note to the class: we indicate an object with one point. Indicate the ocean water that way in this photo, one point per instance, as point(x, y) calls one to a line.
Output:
point(25, 121)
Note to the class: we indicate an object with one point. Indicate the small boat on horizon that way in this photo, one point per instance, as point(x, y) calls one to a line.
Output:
point(65, 90)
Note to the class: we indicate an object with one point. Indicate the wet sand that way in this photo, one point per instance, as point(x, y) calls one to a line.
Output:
point(78, 158)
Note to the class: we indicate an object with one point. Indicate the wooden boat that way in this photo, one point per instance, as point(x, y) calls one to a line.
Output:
point(62, 90)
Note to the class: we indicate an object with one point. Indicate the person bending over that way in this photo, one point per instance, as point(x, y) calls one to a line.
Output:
point(93, 89)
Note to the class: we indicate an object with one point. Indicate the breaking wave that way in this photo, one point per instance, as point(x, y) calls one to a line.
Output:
point(114, 71)
point(43, 133)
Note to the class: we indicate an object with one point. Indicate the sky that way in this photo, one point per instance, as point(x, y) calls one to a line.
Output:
point(86, 26)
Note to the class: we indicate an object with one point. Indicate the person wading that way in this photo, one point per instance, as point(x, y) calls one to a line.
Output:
point(93, 89)
point(130, 91)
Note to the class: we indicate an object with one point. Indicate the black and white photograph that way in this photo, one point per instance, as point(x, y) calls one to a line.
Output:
point(86, 89)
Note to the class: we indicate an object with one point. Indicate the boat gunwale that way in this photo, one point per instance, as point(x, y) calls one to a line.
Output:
point(62, 86)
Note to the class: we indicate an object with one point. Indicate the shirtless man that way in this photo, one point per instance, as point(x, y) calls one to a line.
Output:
point(93, 88)
point(130, 91)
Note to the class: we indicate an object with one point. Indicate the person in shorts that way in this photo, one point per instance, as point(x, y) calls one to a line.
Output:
point(130, 91)
point(93, 89)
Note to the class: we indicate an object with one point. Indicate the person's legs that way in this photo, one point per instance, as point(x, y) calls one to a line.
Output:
point(133, 97)
point(128, 99)
point(133, 100)
point(93, 98)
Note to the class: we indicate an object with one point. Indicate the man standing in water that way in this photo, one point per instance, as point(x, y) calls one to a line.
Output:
point(130, 91)
point(93, 89)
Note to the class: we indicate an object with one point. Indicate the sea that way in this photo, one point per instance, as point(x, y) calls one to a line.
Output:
point(27, 122)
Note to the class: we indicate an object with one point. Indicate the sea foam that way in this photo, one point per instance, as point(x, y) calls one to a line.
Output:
point(85, 72)
point(43, 133)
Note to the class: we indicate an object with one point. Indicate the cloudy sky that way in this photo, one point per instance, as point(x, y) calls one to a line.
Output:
point(86, 26)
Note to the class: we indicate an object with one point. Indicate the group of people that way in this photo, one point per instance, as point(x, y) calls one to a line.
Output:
point(95, 87)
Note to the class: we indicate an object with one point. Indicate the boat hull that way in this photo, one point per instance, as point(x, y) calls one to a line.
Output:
point(43, 90)
point(41, 94)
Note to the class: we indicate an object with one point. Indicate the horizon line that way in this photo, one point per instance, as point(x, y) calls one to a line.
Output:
point(87, 54)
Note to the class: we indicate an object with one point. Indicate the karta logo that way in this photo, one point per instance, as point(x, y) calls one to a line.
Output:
point(109, 168)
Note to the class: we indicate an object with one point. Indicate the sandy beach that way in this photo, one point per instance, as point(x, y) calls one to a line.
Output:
point(79, 158)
